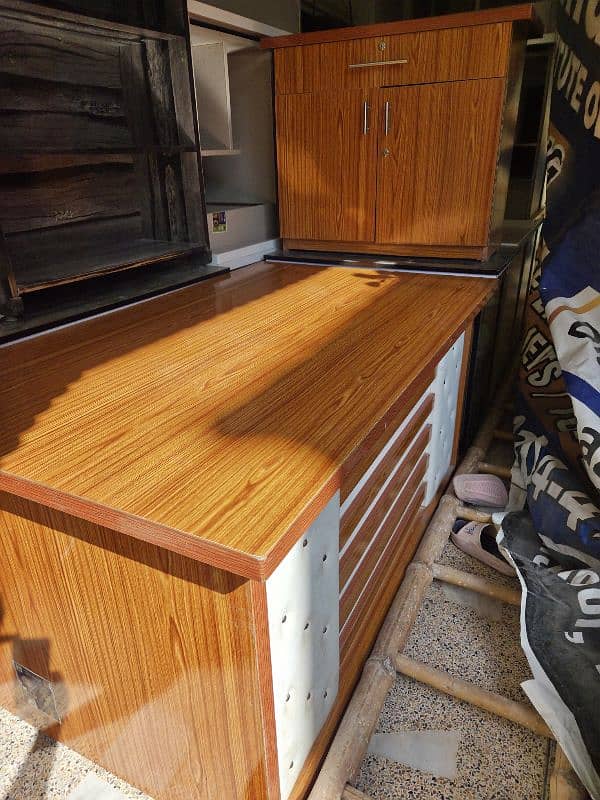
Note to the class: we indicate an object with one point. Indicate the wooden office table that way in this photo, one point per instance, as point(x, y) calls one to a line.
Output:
point(211, 493)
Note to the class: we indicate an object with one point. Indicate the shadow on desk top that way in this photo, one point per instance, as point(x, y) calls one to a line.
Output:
point(213, 421)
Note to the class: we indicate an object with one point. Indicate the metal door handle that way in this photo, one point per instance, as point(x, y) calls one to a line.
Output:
point(387, 117)
point(378, 63)
point(365, 117)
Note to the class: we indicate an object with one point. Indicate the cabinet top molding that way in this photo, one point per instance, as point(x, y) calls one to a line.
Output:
point(525, 12)
point(213, 421)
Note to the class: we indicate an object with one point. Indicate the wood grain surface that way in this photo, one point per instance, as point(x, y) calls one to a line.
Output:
point(320, 67)
point(357, 464)
point(449, 54)
point(438, 162)
point(327, 164)
point(523, 12)
point(152, 656)
point(214, 421)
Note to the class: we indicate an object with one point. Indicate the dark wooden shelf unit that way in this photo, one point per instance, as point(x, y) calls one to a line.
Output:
point(100, 161)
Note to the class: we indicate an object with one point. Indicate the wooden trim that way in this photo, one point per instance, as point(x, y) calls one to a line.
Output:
point(462, 388)
point(404, 507)
point(525, 12)
point(404, 463)
point(264, 668)
point(381, 588)
point(479, 253)
point(364, 456)
point(361, 459)
point(185, 544)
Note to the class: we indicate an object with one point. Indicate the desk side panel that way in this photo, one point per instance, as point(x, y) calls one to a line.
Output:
point(151, 657)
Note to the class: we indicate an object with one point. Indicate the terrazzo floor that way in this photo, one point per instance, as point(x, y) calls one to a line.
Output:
point(34, 767)
point(476, 639)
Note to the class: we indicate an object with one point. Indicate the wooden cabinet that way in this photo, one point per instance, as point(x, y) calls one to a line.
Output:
point(396, 138)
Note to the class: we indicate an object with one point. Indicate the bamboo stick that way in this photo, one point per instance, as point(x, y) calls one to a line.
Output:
point(493, 469)
point(352, 739)
point(436, 536)
point(564, 783)
point(462, 690)
point(350, 793)
point(504, 436)
point(403, 611)
point(477, 584)
point(472, 514)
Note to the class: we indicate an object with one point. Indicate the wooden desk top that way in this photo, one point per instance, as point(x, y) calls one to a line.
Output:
point(213, 421)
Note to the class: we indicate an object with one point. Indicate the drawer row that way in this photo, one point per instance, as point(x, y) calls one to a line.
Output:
point(450, 54)
point(384, 487)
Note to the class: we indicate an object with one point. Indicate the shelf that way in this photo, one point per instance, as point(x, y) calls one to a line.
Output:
point(71, 20)
point(207, 153)
point(37, 268)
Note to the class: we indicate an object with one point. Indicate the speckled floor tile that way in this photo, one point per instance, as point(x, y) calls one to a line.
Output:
point(467, 645)
point(496, 760)
point(34, 767)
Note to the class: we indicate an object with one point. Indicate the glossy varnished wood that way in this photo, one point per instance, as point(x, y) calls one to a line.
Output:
point(524, 12)
point(321, 195)
point(408, 452)
point(437, 165)
point(320, 67)
point(152, 656)
point(449, 54)
point(362, 458)
point(214, 421)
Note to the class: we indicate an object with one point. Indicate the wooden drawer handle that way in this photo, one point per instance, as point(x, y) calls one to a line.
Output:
point(377, 63)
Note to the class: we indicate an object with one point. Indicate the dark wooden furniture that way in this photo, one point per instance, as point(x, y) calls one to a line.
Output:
point(99, 161)
point(157, 477)
point(396, 138)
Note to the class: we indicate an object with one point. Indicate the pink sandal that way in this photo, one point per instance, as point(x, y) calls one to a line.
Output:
point(481, 490)
point(474, 540)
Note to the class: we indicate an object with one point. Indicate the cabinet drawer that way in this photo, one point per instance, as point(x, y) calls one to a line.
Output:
point(450, 54)
point(477, 51)
point(319, 67)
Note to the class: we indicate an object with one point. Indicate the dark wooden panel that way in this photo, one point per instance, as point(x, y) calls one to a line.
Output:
point(401, 452)
point(370, 538)
point(30, 201)
point(362, 458)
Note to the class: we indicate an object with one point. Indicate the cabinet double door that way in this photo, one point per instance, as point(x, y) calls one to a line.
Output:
point(406, 165)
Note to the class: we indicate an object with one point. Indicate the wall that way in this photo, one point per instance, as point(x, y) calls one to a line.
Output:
point(284, 14)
